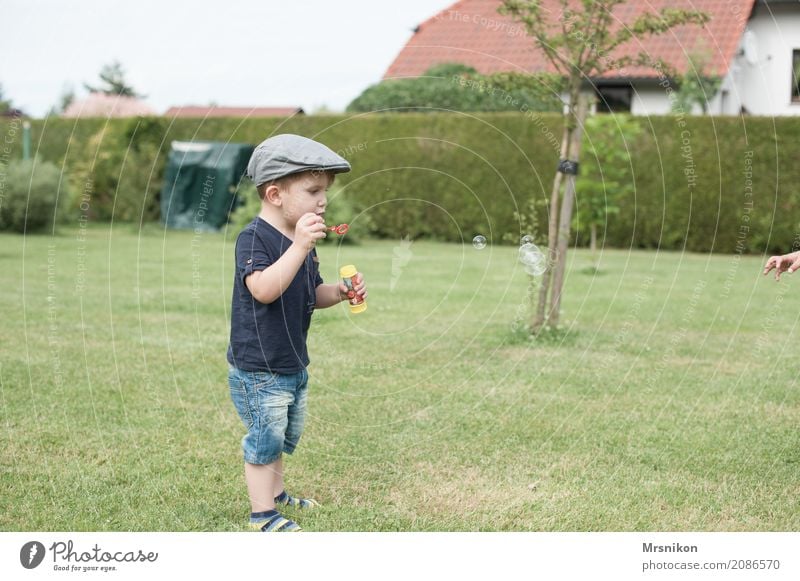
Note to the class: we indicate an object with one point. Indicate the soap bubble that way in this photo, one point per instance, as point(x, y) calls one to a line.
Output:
point(530, 254)
point(532, 259)
point(479, 242)
point(527, 239)
point(534, 270)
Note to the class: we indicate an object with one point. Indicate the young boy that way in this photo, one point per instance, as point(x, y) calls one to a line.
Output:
point(276, 289)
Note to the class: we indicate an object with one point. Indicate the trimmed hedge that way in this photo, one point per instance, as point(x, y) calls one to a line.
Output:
point(30, 200)
point(452, 176)
point(712, 184)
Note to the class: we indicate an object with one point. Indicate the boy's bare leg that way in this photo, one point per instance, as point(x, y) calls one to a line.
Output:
point(278, 486)
point(261, 481)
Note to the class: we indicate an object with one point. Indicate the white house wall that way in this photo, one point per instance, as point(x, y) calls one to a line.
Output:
point(649, 101)
point(765, 86)
point(728, 100)
point(762, 87)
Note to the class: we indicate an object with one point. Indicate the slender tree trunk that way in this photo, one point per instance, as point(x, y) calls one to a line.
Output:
point(593, 241)
point(552, 233)
point(566, 212)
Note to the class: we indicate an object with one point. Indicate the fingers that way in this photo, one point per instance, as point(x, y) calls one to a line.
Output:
point(310, 218)
point(786, 263)
point(359, 287)
point(312, 221)
point(770, 264)
point(779, 267)
point(312, 226)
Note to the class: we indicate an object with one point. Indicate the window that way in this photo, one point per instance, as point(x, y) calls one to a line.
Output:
point(617, 99)
point(796, 76)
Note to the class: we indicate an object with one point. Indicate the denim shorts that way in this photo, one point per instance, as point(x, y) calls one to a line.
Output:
point(272, 407)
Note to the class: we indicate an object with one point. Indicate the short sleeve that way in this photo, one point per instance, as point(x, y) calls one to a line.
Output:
point(251, 254)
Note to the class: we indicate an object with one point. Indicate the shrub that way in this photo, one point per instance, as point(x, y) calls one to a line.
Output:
point(32, 196)
point(605, 176)
point(120, 171)
point(248, 205)
point(456, 87)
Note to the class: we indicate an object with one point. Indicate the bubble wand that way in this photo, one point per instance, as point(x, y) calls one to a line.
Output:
point(341, 229)
point(348, 273)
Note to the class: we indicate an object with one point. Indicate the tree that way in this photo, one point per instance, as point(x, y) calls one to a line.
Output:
point(695, 86)
point(113, 76)
point(457, 87)
point(580, 43)
point(64, 101)
point(605, 176)
point(5, 104)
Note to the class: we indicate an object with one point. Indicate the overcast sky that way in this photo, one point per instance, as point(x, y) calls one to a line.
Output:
point(307, 53)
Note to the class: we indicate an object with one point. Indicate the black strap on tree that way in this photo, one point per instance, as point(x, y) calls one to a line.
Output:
point(568, 167)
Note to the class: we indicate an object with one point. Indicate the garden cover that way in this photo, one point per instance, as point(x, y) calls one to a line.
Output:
point(200, 183)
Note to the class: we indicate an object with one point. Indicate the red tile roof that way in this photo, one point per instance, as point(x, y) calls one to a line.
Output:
point(472, 32)
point(213, 111)
point(102, 105)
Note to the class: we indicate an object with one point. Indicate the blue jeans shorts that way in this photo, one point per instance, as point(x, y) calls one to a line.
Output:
point(272, 407)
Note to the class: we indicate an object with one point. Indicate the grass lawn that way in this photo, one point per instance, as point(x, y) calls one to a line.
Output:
point(670, 403)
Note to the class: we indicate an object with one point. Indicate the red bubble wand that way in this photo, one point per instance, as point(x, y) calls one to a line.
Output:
point(340, 229)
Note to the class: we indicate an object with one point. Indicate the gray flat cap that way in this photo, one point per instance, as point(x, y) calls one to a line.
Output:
point(287, 154)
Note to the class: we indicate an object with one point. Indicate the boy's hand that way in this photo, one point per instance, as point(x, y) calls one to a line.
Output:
point(360, 287)
point(308, 230)
point(786, 262)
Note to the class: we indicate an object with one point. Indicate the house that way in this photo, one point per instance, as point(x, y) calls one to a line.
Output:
point(102, 105)
point(216, 111)
point(752, 45)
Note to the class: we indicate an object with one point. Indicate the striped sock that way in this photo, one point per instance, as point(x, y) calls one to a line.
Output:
point(287, 500)
point(271, 521)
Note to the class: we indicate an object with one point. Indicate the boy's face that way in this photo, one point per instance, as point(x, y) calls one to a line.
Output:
point(307, 192)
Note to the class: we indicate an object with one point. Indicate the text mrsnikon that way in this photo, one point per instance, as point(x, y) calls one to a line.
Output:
point(673, 548)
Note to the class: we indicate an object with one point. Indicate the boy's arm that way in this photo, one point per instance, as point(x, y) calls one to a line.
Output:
point(328, 295)
point(269, 284)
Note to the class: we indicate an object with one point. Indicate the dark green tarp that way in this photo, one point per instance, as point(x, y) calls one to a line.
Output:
point(200, 183)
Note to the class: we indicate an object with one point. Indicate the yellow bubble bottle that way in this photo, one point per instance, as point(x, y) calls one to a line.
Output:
point(355, 301)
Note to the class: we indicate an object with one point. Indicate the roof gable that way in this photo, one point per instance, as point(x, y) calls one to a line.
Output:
point(103, 105)
point(472, 32)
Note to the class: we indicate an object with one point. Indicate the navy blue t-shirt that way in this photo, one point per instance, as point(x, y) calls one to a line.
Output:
point(270, 337)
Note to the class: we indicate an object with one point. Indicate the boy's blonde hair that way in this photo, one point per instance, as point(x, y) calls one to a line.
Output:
point(286, 181)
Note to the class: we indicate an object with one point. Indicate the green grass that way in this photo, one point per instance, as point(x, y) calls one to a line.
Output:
point(669, 400)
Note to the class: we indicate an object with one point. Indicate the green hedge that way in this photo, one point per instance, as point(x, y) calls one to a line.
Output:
point(714, 184)
point(452, 176)
point(31, 195)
